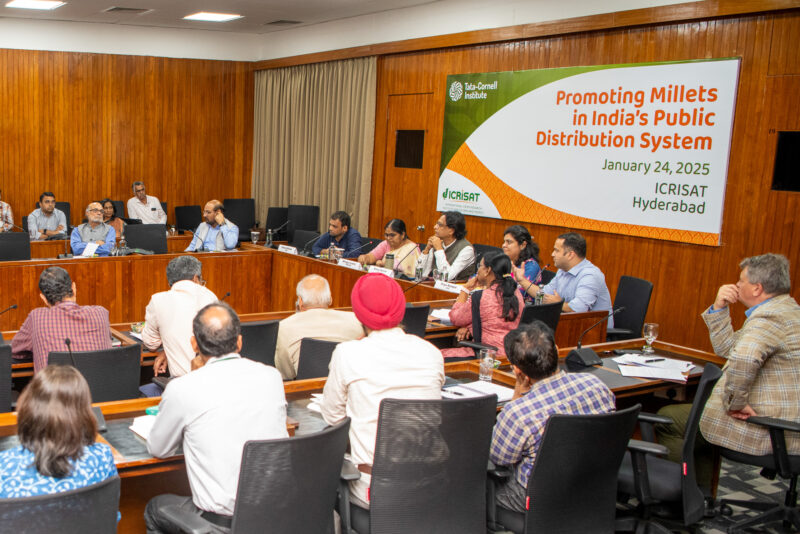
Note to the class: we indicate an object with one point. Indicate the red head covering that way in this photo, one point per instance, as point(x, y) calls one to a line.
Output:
point(378, 301)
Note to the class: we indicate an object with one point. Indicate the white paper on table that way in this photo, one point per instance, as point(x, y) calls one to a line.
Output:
point(442, 314)
point(646, 360)
point(136, 335)
point(479, 388)
point(142, 425)
point(641, 371)
point(90, 249)
point(315, 405)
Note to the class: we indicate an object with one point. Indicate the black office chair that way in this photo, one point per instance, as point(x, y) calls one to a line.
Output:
point(15, 246)
point(5, 378)
point(547, 277)
point(302, 217)
point(370, 243)
point(285, 485)
point(658, 482)
point(151, 237)
point(259, 339)
point(480, 250)
point(304, 240)
point(415, 319)
point(315, 357)
point(65, 207)
point(634, 294)
point(112, 374)
point(573, 485)
point(242, 211)
point(429, 471)
point(277, 217)
point(476, 344)
point(187, 218)
point(549, 314)
point(119, 208)
point(780, 462)
point(88, 509)
point(166, 210)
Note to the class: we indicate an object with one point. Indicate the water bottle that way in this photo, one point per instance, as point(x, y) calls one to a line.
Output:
point(268, 242)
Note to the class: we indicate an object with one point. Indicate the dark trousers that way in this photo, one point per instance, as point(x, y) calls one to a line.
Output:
point(671, 436)
point(158, 523)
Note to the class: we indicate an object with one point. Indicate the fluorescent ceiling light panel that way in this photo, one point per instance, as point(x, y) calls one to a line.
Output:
point(212, 17)
point(35, 4)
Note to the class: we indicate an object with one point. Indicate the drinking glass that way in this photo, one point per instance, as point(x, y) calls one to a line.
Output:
point(254, 235)
point(650, 333)
point(487, 359)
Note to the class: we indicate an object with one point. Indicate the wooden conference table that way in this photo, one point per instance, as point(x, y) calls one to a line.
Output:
point(144, 476)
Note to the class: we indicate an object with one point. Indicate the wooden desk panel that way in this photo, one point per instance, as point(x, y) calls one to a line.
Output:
point(51, 249)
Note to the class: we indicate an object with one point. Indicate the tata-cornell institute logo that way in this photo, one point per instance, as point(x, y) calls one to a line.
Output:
point(456, 90)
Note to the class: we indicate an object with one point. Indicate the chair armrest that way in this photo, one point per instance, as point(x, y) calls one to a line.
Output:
point(476, 346)
point(646, 417)
point(189, 522)
point(635, 445)
point(499, 472)
point(349, 471)
point(771, 422)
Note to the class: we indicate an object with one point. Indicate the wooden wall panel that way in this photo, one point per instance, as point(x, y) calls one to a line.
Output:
point(686, 277)
point(85, 126)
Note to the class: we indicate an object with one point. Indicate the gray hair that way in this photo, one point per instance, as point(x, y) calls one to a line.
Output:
point(183, 268)
point(769, 270)
point(137, 182)
point(90, 205)
point(319, 296)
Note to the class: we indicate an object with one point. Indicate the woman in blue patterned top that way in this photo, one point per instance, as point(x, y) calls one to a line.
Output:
point(56, 429)
point(524, 255)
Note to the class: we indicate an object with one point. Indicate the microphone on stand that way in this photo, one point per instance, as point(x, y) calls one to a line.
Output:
point(274, 232)
point(415, 284)
point(397, 263)
point(304, 250)
point(68, 343)
point(12, 307)
point(228, 294)
point(66, 253)
point(587, 357)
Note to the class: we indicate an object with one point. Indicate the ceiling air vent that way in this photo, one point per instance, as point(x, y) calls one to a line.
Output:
point(127, 10)
point(283, 23)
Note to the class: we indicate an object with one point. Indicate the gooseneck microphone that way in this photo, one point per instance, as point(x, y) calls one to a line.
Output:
point(587, 357)
point(68, 343)
point(281, 227)
point(12, 307)
point(311, 242)
point(415, 284)
point(397, 263)
point(228, 294)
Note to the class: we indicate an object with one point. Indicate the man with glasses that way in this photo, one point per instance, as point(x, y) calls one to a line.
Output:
point(6, 215)
point(144, 207)
point(448, 251)
point(94, 231)
point(215, 233)
point(46, 220)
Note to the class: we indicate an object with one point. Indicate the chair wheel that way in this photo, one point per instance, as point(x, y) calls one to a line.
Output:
point(726, 510)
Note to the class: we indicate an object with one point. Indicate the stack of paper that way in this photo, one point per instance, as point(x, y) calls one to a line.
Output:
point(652, 366)
point(478, 388)
point(316, 403)
point(142, 425)
point(442, 314)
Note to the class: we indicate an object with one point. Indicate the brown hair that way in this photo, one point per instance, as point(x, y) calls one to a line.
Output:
point(55, 420)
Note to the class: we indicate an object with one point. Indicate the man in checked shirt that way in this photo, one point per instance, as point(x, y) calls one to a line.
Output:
point(541, 391)
point(45, 329)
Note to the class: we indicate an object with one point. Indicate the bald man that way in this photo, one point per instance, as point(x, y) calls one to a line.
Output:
point(215, 233)
point(93, 231)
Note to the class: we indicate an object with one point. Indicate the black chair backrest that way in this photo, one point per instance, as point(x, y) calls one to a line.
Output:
point(65, 207)
point(302, 217)
point(477, 325)
point(304, 240)
point(290, 484)
point(148, 237)
point(573, 485)
point(415, 320)
point(549, 314)
point(188, 217)
point(242, 211)
point(259, 339)
point(88, 509)
point(315, 357)
point(112, 374)
point(370, 243)
point(429, 473)
point(277, 217)
point(547, 276)
point(119, 208)
point(480, 250)
point(5, 378)
point(15, 246)
point(165, 207)
point(634, 294)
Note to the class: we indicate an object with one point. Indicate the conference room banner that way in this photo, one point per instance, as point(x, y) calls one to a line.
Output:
point(634, 149)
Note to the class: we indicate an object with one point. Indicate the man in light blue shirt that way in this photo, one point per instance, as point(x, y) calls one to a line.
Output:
point(215, 233)
point(93, 231)
point(578, 282)
point(46, 220)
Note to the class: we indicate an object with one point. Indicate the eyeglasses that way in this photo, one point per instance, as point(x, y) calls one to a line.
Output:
point(388, 235)
point(95, 210)
point(138, 190)
point(202, 281)
point(437, 223)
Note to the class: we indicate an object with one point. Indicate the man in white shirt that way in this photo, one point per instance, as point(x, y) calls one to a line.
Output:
point(169, 314)
point(144, 207)
point(313, 319)
point(387, 363)
point(213, 411)
point(448, 251)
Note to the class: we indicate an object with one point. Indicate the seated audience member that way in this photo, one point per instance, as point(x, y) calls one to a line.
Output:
point(448, 251)
point(524, 255)
point(93, 231)
point(313, 319)
point(144, 207)
point(387, 363)
point(215, 232)
point(56, 429)
point(340, 235)
point(213, 411)
point(762, 373)
point(580, 284)
point(169, 314)
point(541, 391)
point(47, 220)
point(397, 242)
point(500, 305)
point(45, 329)
point(111, 218)
point(6, 215)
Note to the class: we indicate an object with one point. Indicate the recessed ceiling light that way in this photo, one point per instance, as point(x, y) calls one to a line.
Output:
point(212, 17)
point(35, 4)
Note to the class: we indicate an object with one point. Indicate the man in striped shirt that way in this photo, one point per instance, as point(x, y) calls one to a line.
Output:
point(541, 391)
point(45, 329)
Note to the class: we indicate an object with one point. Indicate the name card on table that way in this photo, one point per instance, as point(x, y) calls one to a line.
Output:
point(350, 264)
point(381, 270)
point(287, 248)
point(447, 286)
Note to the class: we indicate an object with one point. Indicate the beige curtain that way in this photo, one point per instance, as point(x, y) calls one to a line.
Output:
point(313, 138)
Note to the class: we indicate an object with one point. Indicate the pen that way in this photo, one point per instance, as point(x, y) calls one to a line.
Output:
point(650, 360)
point(455, 393)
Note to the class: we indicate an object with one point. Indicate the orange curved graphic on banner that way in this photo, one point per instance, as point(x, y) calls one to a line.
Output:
point(515, 206)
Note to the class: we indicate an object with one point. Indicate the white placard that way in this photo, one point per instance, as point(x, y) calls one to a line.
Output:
point(381, 270)
point(287, 249)
point(350, 264)
point(447, 286)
